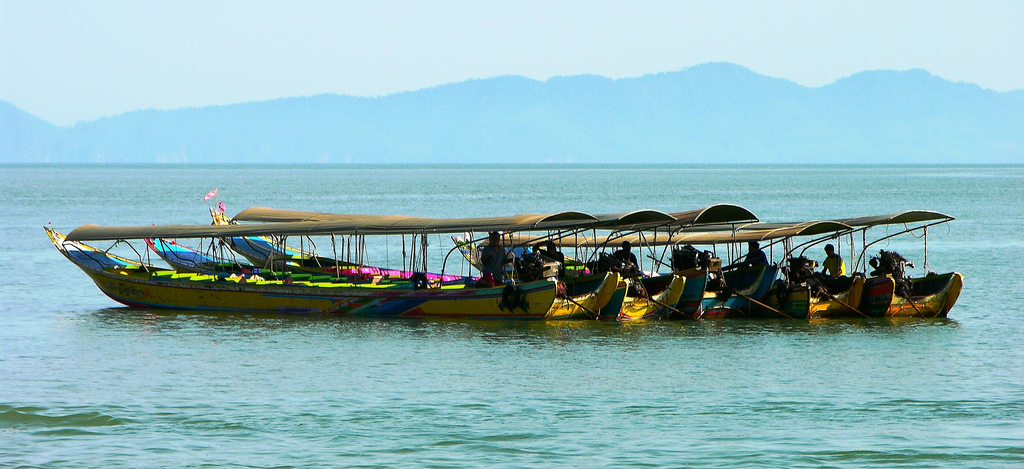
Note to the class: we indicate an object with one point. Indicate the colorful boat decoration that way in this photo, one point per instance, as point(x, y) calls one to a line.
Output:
point(271, 254)
point(186, 259)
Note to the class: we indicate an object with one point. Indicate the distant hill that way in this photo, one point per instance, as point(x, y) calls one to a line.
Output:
point(712, 113)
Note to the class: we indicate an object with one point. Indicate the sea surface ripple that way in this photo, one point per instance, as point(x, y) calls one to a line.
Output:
point(86, 383)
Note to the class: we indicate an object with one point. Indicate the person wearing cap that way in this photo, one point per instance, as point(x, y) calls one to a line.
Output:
point(833, 265)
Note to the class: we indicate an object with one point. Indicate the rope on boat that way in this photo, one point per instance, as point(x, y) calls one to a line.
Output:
point(925, 267)
point(769, 308)
point(592, 314)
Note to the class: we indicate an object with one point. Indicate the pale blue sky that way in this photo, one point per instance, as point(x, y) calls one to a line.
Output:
point(72, 61)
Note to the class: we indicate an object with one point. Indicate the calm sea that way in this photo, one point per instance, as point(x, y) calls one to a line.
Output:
point(86, 383)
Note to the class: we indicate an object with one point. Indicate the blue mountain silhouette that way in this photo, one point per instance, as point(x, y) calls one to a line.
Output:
point(715, 113)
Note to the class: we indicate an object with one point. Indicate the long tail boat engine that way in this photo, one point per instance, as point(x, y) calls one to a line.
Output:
point(608, 263)
point(800, 269)
point(688, 257)
point(893, 264)
point(529, 268)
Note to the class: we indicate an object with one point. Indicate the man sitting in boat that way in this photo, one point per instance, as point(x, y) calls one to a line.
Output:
point(630, 267)
point(833, 265)
point(492, 259)
point(551, 253)
point(755, 256)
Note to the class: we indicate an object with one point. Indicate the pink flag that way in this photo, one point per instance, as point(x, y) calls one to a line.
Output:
point(223, 208)
point(210, 194)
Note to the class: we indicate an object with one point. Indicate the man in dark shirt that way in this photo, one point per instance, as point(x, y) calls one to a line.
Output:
point(755, 256)
point(625, 256)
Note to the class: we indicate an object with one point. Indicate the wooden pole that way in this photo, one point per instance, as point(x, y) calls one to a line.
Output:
point(769, 308)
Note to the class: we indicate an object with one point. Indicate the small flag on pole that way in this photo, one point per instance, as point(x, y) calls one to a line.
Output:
point(209, 195)
point(223, 208)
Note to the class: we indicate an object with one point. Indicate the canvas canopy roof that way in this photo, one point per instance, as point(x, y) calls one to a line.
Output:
point(910, 216)
point(343, 225)
point(766, 231)
point(769, 231)
point(275, 215)
point(711, 216)
point(715, 214)
point(719, 213)
point(636, 217)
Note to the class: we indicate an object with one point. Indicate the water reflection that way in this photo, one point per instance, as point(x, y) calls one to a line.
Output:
point(155, 320)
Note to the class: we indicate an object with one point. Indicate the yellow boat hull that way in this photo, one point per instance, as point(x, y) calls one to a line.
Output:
point(634, 308)
point(842, 305)
point(587, 305)
point(137, 288)
point(928, 301)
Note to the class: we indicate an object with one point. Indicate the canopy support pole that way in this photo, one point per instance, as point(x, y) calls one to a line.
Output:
point(337, 265)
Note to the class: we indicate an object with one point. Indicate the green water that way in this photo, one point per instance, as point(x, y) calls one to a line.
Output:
point(84, 382)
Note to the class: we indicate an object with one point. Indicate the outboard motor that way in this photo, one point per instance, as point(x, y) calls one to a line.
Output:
point(801, 269)
point(893, 264)
point(685, 258)
point(608, 263)
point(605, 263)
point(688, 257)
point(529, 267)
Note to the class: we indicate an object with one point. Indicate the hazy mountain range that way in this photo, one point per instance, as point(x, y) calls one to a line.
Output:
point(713, 113)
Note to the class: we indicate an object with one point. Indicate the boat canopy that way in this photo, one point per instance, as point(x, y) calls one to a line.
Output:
point(767, 231)
point(611, 220)
point(902, 218)
point(342, 225)
point(718, 214)
point(770, 231)
point(693, 227)
point(708, 218)
point(275, 215)
point(634, 219)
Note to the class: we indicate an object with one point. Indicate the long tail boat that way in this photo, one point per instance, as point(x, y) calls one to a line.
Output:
point(890, 291)
point(587, 297)
point(138, 285)
point(929, 297)
point(800, 293)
